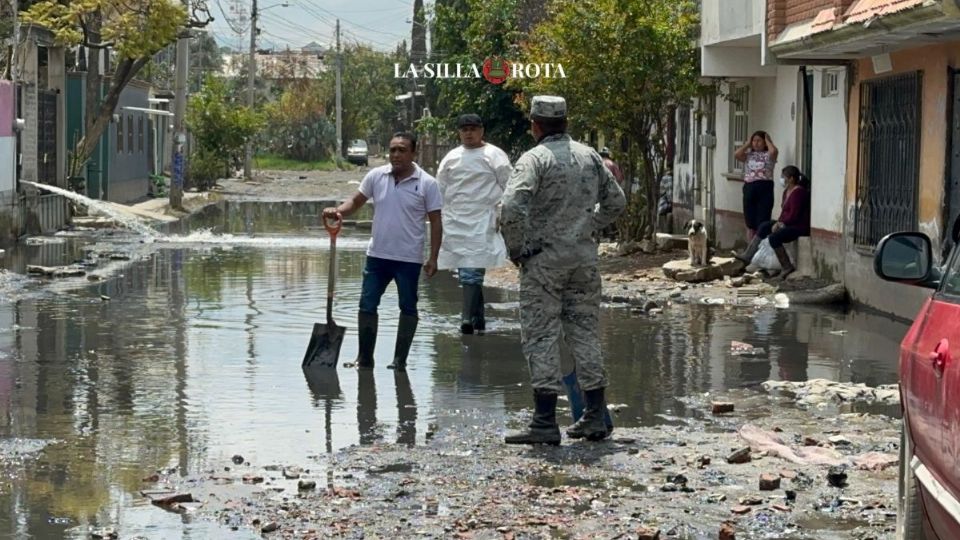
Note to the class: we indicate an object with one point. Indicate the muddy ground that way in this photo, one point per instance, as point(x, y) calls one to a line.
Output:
point(464, 483)
point(675, 479)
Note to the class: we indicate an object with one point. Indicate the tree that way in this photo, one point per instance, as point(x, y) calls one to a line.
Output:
point(220, 128)
point(467, 32)
point(298, 124)
point(135, 30)
point(628, 63)
point(368, 101)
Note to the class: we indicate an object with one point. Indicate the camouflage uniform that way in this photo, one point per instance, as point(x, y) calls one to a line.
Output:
point(549, 221)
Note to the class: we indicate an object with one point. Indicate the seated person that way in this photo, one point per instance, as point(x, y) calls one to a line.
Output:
point(794, 220)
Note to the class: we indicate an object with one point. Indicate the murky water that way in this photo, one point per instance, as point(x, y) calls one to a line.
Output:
point(192, 355)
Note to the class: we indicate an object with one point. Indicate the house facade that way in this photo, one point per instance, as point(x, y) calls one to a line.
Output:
point(857, 94)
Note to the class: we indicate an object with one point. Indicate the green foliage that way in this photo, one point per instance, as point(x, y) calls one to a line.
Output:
point(220, 128)
point(206, 167)
point(467, 32)
point(297, 124)
point(135, 28)
point(628, 64)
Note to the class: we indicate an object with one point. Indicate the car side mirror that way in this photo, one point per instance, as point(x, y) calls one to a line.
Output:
point(905, 257)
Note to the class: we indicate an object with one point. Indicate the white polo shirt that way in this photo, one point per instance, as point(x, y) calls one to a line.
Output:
point(400, 212)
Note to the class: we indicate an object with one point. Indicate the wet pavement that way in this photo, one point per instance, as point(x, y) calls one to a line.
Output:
point(189, 353)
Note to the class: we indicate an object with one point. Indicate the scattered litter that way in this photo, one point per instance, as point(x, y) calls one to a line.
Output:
point(739, 348)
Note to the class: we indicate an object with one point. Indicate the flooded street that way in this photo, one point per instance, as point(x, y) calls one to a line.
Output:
point(189, 354)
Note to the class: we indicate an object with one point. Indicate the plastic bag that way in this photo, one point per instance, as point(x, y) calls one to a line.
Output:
point(765, 258)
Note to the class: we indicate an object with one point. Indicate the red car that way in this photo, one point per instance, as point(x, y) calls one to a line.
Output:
point(929, 496)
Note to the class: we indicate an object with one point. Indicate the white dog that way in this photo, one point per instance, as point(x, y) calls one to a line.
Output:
point(697, 243)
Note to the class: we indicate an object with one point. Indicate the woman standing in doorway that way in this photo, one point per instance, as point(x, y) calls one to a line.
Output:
point(759, 156)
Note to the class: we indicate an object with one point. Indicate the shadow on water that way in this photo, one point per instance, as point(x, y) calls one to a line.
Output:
point(194, 358)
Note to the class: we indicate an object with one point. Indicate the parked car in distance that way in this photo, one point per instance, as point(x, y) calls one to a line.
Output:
point(357, 152)
point(929, 496)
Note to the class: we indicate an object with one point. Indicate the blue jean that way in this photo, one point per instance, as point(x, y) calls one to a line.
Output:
point(378, 273)
point(471, 276)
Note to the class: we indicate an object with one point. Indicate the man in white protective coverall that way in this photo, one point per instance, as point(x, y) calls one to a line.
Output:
point(472, 177)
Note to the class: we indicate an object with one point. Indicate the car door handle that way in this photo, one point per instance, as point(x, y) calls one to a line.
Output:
point(940, 356)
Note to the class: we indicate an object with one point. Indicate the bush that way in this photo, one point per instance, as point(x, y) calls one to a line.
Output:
point(220, 128)
point(205, 168)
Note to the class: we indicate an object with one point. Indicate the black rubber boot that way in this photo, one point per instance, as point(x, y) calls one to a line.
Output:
point(592, 425)
point(406, 329)
point(466, 316)
point(751, 250)
point(786, 266)
point(479, 321)
point(367, 334)
point(543, 426)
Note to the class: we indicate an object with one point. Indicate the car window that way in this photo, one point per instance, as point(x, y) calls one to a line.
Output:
point(951, 281)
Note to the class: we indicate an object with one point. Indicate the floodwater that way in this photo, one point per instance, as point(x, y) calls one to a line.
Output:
point(191, 354)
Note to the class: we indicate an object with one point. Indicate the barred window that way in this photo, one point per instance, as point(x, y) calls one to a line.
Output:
point(739, 123)
point(130, 133)
point(889, 158)
point(140, 134)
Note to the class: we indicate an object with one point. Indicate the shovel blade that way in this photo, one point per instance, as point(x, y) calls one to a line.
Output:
point(324, 347)
point(577, 400)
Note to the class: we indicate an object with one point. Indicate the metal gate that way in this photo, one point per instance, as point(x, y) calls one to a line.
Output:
point(889, 166)
point(47, 137)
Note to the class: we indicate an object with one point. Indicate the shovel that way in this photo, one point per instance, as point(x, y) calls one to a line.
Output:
point(577, 401)
point(324, 347)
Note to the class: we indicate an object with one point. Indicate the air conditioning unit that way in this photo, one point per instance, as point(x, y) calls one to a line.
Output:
point(707, 140)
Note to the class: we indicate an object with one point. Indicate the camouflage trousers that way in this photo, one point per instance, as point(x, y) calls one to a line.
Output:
point(561, 304)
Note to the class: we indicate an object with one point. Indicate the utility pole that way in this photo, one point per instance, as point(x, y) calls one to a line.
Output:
point(251, 89)
point(339, 105)
point(179, 112)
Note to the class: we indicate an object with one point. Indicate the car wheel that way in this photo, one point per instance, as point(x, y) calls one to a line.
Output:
point(909, 513)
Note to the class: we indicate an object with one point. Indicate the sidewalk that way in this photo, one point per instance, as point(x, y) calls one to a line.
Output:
point(638, 279)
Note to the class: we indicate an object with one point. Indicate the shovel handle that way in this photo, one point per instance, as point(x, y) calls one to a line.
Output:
point(331, 276)
point(333, 229)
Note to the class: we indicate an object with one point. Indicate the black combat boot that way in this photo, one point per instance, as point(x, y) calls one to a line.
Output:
point(468, 316)
point(592, 425)
point(543, 426)
point(406, 328)
point(367, 334)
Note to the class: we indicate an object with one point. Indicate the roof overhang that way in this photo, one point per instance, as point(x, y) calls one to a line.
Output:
point(932, 21)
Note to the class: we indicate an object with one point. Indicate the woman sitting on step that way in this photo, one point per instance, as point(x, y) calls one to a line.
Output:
point(794, 220)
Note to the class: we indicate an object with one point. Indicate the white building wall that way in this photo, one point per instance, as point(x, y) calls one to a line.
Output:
point(736, 19)
point(829, 162)
point(773, 108)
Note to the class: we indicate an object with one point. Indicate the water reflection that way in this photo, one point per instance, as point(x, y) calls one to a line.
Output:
point(194, 359)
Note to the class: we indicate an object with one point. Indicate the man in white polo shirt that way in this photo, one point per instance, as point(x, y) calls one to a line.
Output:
point(404, 196)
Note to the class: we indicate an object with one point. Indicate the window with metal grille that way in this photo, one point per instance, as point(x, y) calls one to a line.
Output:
point(140, 134)
point(739, 98)
point(120, 134)
point(889, 160)
point(683, 134)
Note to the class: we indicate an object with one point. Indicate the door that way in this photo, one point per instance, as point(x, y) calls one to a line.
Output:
point(952, 195)
point(806, 121)
point(931, 379)
point(47, 137)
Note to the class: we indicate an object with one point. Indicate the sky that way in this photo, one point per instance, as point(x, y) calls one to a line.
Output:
point(381, 24)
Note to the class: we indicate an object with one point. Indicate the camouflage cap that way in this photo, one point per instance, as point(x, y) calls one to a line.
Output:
point(548, 107)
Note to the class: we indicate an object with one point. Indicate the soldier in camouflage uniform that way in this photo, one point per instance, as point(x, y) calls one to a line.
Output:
point(558, 198)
